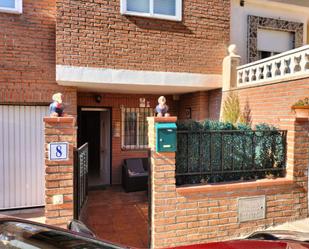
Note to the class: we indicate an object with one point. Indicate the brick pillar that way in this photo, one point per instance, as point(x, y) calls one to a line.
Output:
point(163, 188)
point(59, 173)
point(298, 156)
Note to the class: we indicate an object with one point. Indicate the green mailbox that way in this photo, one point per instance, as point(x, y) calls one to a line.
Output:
point(166, 137)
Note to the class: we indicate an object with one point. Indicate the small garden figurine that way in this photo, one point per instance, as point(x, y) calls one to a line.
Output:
point(56, 108)
point(162, 108)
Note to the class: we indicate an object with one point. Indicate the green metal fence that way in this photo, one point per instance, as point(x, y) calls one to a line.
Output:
point(229, 155)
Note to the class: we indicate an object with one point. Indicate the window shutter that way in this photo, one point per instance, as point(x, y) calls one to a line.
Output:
point(274, 40)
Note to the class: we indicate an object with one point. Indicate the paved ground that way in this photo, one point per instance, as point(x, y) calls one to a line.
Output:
point(299, 226)
point(118, 216)
point(112, 214)
point(123, 217)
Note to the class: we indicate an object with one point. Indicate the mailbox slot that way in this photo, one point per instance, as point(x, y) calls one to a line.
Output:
point(166, 137)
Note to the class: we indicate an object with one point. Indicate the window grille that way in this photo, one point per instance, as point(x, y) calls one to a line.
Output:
point(135, 127)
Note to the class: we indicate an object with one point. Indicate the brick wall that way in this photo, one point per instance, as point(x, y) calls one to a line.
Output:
point(59, 174)
point(115, 101)
point(205, 213)
point(269, 103)
point(215, 99)
point(203, 105)
point(27, 52)
point(94, 34)
point(197, 103)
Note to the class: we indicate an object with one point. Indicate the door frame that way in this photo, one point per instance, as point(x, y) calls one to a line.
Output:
point(98, 108)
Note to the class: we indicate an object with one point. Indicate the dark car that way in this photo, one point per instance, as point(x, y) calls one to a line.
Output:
point(23, 234)
point(249, 244)
point(261, 240)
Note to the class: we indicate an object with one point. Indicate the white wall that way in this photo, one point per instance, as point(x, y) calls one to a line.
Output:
point(239, 23)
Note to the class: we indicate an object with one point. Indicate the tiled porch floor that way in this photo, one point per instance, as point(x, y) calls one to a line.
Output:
point(118, 216)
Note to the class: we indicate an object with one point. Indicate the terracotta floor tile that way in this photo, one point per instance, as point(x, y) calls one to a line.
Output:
point(118, 216)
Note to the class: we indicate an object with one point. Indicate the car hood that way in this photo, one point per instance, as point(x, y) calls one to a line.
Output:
point(249, 244)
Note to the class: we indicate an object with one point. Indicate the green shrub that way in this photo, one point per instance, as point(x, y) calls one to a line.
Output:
point(189, 125)
point(269, 149)
point(238, 148)
point(216, 125)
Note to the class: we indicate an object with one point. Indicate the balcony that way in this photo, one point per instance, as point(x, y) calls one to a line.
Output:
point(290, 65)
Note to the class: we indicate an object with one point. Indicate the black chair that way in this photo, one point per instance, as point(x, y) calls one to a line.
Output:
point(135, 174)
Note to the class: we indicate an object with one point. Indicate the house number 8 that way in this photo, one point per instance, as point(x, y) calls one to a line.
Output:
point(58, 151)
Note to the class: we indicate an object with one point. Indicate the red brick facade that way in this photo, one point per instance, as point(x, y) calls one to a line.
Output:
point(203, 105)
point(27, 51)
point(199, 214)
point(95, 34)
point(270, 103)
point(196, 103)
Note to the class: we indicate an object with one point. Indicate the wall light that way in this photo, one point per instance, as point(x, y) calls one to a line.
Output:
point(98, 98)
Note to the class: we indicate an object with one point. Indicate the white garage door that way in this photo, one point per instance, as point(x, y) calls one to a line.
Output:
point(21, 156)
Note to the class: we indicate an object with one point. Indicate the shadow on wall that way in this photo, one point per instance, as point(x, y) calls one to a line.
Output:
point(215, 102)
point(160, 25)
point(247, 113)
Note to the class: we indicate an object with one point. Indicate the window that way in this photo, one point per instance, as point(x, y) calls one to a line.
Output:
point(268, 42)
point(162, 9)
point(266, 54)
point(135, 127)
point(11, 6)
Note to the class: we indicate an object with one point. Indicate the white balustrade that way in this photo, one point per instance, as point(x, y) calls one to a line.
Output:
point(291, 64)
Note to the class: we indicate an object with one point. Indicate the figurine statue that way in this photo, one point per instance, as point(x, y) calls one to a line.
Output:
point(162, 108)
point(56, 108)
point(232, 49)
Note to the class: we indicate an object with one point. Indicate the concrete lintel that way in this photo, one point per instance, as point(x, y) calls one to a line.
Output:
point(135, 81)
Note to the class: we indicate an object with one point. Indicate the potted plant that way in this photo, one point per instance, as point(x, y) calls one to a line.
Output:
point(301, 108)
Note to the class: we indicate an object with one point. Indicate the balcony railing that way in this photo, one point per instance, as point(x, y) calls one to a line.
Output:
point(292, 64)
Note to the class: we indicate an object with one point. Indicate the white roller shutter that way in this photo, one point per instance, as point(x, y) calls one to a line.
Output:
point(21, 156)
point(274, 40)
